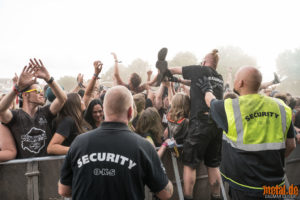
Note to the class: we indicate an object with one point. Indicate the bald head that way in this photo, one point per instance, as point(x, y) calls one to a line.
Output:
point(117, 102)
point(248, 79)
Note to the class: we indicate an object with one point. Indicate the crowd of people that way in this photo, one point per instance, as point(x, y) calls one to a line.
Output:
point(109, 136)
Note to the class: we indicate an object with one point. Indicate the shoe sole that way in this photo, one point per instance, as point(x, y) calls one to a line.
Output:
point(162, 54)
point(162, 66)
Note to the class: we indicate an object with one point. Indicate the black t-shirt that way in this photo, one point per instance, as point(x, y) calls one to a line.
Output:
point(198, 105)
point(32, 135)
point(259, 167)
point(178, 130)
point(112, 162)
point(68, 129)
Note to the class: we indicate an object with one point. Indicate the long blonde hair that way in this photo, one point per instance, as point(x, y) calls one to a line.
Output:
point(180, 107)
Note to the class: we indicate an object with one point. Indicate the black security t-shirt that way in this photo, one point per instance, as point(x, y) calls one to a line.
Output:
point(198, 105)
point(32, 134)
point(68, 129)
point(112, 162)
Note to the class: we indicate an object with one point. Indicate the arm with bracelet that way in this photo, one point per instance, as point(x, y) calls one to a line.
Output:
point(79, 83)
point(116, 71)
point(42, 73)
point(90, 87)
point(25, 80)
point(163, 148)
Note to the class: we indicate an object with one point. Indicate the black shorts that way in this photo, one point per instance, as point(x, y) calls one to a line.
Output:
point(204, 142)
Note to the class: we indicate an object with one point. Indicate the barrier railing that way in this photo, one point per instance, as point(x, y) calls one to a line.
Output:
point(36, 178)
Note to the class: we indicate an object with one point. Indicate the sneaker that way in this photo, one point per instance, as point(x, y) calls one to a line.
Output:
point(162, 54)
point(276, 79)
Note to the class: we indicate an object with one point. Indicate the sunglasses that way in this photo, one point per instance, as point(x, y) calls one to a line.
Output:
point(38, 91)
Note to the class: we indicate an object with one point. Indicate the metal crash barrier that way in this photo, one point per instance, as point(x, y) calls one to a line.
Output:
point(293, 167)
point(37, 178)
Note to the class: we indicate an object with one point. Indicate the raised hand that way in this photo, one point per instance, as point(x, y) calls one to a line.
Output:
point(27, 77)
point(15, 79)
point(80, 80)
point(149, 73)
point(40, 70)
point(98, 67)
point(115, 56)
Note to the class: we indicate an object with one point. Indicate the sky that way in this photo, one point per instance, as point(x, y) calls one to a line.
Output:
point(68, 35)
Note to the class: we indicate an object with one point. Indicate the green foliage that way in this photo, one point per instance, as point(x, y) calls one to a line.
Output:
point(231, 58)
point(234, 58)
point(68, 82)
point(138, 66)
point(288, 64)
point(183, 59)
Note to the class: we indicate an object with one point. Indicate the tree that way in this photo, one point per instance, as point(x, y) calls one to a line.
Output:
point(288, 64)
point(138, 66)
point(67, 82)
point(183, 59)
point(231, 59)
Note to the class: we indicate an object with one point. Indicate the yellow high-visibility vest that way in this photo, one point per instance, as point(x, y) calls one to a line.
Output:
point(257, 122)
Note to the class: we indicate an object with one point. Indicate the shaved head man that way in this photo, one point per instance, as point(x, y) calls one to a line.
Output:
point(118, 104)
point(112, 161)
point(247, 80)
point(257, 129)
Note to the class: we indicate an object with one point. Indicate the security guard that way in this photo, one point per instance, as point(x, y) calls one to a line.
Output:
point(258, 135)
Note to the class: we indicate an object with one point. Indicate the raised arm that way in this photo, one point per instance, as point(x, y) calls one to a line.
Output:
point(176, 70)
point(185, 82)
point(158, 98)
point(42, 73)
point(153, 81)
point(89, 90)
point(8, 149)
point(79, 83)
point(170, 91)
point(116, 71)
point(25, 80)
point(149, 74)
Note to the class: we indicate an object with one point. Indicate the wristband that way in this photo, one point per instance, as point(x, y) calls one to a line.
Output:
point(95, 76)
point(50, 80)
point(165, 144)
point(16, 89)
point(81, 85)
